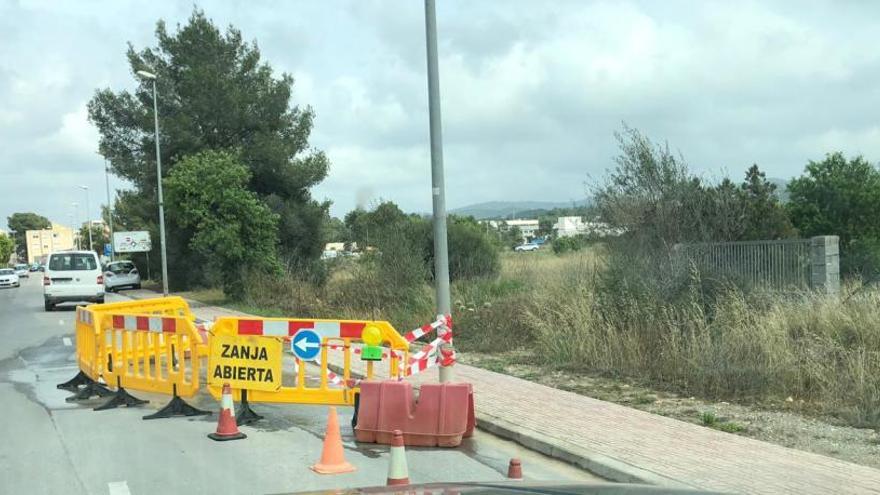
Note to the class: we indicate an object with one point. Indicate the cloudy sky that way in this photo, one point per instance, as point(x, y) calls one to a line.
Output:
point(531, 91)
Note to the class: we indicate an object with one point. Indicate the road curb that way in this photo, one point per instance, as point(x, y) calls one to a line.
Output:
point(598, 464)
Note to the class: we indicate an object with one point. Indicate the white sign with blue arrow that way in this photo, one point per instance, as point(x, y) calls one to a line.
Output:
point(306, 344)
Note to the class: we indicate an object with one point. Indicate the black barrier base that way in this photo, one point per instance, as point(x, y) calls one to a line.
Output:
point(74, 383)
point(92, 389)
point(121, 398)
point(246, 415)
point(177, 407)
point(354, 415)
point(223, 438)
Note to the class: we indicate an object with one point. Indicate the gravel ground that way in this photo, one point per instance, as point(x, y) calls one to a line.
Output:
point(784, 421)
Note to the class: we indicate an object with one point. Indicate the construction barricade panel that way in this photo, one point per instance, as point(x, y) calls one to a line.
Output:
point(151, 353)
point(247, 356)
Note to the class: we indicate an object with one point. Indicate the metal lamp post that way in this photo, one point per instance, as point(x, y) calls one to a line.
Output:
point(75, 221)
point(109, 209)
point(441, 255)
point(152, 77)
point(88, 220)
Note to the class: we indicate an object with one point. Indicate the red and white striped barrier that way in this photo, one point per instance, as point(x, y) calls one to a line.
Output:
point(288, 328)
point(84, 316)
point(157, 324)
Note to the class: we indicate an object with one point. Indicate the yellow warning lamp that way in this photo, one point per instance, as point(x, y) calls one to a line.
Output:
point(372, 337)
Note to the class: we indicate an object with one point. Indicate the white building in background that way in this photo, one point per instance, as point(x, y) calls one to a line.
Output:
point(572, 226)
point(527, 227)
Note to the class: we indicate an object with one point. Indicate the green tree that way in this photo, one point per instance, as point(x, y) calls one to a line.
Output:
point(511, 237)
point(335, 230)
point(766, 217)
point(99, 237)
point(7, 245)
point(471, 251)
point(840, 197)
point(20, 223)
point(232, 229)
point(215, 93)
point(652, 195)
point(367, 226)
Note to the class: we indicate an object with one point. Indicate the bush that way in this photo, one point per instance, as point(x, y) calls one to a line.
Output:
point(471, 252)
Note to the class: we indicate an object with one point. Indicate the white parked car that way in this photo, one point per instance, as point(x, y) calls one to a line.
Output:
point(72, 276)
point(8, 278)
point(527, 247)
point(121, 274)
point(22, 270)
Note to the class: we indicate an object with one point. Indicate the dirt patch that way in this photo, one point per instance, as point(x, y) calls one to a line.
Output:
point(786, 421)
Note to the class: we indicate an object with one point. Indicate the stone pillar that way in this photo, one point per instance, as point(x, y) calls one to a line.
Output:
point(825, 264)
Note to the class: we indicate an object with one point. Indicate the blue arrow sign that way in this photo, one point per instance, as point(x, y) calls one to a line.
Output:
point(306, 344)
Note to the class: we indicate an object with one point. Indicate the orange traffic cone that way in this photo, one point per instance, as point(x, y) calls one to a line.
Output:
point(332, 457)
point(514, 470)
point(227, 429)
point(398, 472)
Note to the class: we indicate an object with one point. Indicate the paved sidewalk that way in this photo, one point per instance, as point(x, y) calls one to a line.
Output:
point(625, 444)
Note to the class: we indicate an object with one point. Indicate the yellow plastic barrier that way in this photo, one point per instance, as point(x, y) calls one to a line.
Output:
point(151, 353)
point(242, 354)
point(93, 346)
point(87, 347)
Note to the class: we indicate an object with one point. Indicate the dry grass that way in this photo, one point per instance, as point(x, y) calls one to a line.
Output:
point(727, 345)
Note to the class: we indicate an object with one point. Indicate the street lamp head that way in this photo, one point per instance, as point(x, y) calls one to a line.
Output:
point(146, 75)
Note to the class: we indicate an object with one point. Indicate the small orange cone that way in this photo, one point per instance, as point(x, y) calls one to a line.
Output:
point(227, 429)
point(398, 472)
point(332, 457)
point(514, 470)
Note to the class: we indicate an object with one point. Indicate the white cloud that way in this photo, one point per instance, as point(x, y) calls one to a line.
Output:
point(76, 134)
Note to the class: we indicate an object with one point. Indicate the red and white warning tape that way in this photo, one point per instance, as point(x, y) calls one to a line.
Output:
point(412, 335)
point(428, 356)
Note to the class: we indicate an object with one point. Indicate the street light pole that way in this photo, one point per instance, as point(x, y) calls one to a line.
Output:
point(441, 257)
point(109, 209)
point(76, 220)
point(152, 77)
point(88, 220)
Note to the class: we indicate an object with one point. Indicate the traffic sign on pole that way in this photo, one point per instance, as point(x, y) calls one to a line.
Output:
point(306, 344)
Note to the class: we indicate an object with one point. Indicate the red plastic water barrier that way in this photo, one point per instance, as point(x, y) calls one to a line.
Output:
point(443, 415)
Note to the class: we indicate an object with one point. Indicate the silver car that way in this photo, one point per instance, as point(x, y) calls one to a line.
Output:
point(121, 274)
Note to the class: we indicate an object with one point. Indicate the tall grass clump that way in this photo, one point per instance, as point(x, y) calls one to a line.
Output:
point(718, 341)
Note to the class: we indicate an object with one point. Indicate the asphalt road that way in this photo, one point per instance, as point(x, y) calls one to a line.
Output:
point(50, 446)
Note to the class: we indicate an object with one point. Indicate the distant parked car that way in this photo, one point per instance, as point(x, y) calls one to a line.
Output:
point(527, 247)
point(8, 278)
point(34, 267)
point(21, 270)
point(121, 274)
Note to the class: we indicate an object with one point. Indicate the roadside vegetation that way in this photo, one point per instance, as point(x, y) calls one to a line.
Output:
point(615, 307)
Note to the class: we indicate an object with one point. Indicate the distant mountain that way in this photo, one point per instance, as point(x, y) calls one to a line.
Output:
point(503, 209)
